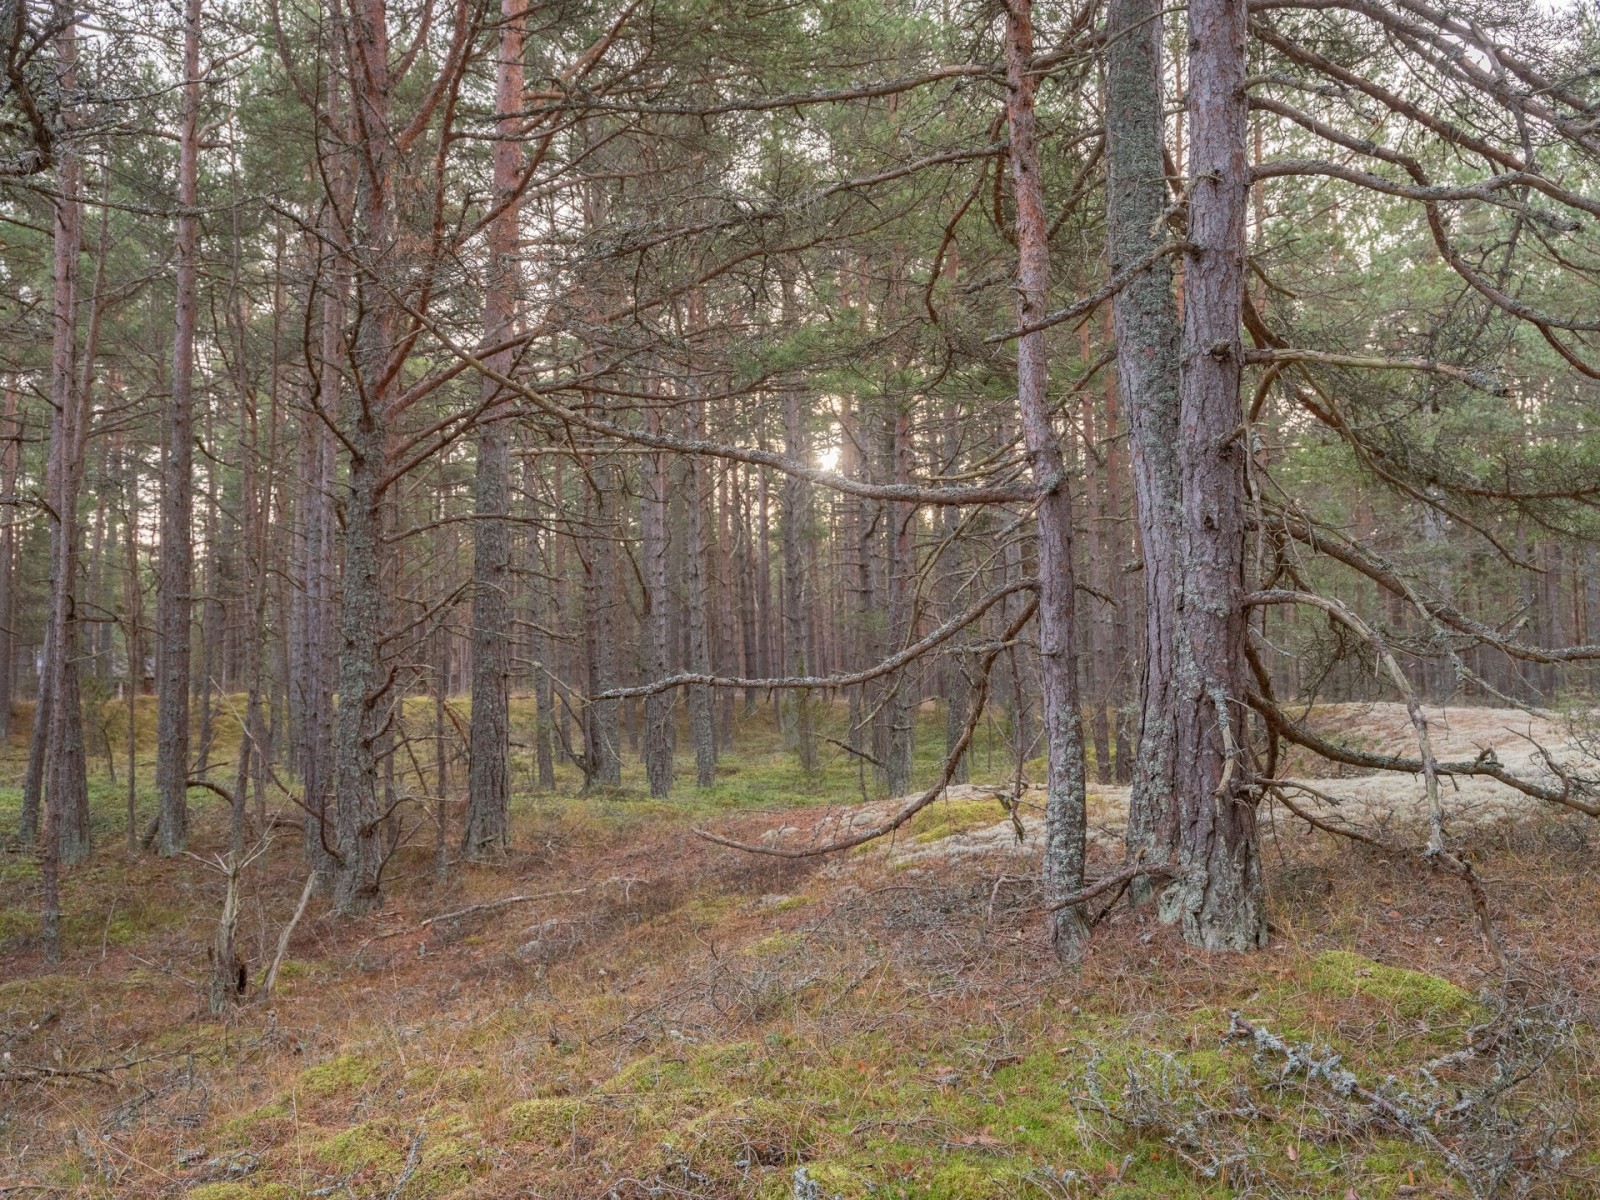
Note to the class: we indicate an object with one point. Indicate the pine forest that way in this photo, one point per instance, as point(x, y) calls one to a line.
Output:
point(799, 599)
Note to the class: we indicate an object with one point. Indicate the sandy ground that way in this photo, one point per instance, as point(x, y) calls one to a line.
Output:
point(1374, 802)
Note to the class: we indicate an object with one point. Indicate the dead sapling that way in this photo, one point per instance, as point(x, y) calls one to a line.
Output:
point(229, 979)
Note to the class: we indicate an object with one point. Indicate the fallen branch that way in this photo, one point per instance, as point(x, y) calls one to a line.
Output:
point(1291, 730)
point(490, 906)
point(849, 749)
point(1345, 1085)
point(850, 679)
point(1436, 852)
point(98, 1073)
point(1105, 884)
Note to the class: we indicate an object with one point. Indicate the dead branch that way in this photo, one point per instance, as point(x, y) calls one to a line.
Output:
point(893, 663)
point(974, 715)
point(490, 906)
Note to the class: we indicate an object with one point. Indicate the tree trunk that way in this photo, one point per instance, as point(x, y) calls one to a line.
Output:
point(133, 640)
point(727, 617)
point(545, 616)
point(901, 706)
point(58, 724)
point(1146, 328)
point(1217, 898)
point(1064, 805)
point(603, 733)
point(489, 789)
point(9, 459)
point(658, 708)
point(365, 412)
point(177, 478)
point(957, 686)
point(796, 516)
point(696, 585)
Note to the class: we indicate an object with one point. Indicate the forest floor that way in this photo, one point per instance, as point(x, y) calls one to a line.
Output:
point(643, 1013)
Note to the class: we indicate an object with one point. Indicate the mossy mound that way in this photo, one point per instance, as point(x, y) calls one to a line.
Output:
point(749, 1132)
point(443, 1154)
point(1414, 995)
point(945, 818)
point(336, 1077)
point(365, 1145)
point(550, 1122)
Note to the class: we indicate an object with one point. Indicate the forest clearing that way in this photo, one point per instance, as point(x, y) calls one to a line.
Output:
point(799, 599)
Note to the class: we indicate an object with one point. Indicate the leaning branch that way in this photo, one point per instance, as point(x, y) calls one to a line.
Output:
point(1089, 303)
point(974, 715)
point(1485, 765)
point(893, 663)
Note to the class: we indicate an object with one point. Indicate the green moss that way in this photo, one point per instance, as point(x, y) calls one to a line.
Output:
point(960, 1178)
point(19, 870)
point(653, 1073)
point(944, 818)
point(292, 970)
point(451, 1157)
point(17, 925)
point(1413, 994)
point(246, 1125)
point(549, 1121)
point(774, 945)
point(454, 1083)
point(751, 1130)
point(238, 1191)
point(835, 1179)
point(346, 1073)
point(45, 990)
point(369, 1144)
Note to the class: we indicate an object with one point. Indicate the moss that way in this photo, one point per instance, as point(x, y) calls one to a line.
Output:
point(713, 1065)
point(451, 1157)
point(833, 1179)
point(246, 1126)
point(369, 1144)
point(961, 1178)
point(238, 1191)
point(46, 990)
point(774, 945)
point(346, 1073)
point(750, 1131)
point(549, 1121)
point(456, 1083)
point(293, 970)
point(653, 1073)
point(17, 925)
point(945, 818)
point(1413, 994)
point(19, 870)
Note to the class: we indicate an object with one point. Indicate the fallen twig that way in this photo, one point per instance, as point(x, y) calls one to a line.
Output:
point(490, 906)
point(99, 1072)
point(1344, 1084)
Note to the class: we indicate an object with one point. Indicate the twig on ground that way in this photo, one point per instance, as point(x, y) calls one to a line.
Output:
point(490, 906)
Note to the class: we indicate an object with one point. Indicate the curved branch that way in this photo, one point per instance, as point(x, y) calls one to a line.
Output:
point(974, 715)
point(894, 662)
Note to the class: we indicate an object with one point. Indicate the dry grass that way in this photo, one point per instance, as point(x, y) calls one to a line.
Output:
point(699, 1023)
